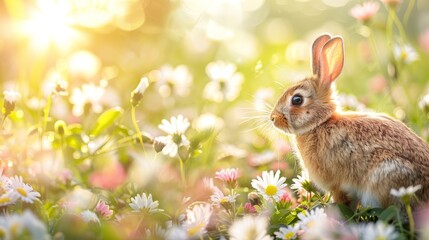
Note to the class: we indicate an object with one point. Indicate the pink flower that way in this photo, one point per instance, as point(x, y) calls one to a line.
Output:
point(249, 208)
point(365, 11)
point(110, 177)
point(103, 209)
point(228, 176)
point(286, 198)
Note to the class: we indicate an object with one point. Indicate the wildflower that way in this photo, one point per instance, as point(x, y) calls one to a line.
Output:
point(219, 198)
point(173, 80)
point(378, 230)
point(365, 12)
point(144, 202)
point(424, 103)
point(21, 190)
point(137, 94)
point(60, 87)
point(254, 198)
point(405, 53)
point(197, 220)
point(7, 199)
point(249, 227)
point(175, 128)
point(289, 232)
point(392, 3)
point(249, 208)
point(208, 122)
point(89, 216)
point(88, 94)
point(225, 82)
point(10, 99)
point(103, 209)
point(286, 198)
point(405, 194)
point(18, 226)
point(270, 186)
point(229, 176)
point(308, 218)
point(301, 183)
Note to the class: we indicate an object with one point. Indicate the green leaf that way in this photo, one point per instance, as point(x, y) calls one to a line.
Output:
point(389, 213)
point(346, 211)
point(106, 119)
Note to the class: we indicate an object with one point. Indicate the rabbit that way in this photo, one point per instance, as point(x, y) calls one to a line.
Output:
point(357, 157)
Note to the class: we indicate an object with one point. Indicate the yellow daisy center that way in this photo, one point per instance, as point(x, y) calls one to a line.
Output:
point(22, 192)
point(288, 235)
point(4, 200)
point(271, 190)
point(194, 230)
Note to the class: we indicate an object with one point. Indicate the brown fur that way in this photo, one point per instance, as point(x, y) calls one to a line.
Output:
point(352, 155)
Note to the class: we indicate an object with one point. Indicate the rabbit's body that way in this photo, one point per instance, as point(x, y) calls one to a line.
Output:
point(362, 155)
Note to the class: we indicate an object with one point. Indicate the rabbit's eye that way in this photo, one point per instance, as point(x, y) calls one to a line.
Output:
point(297, 99)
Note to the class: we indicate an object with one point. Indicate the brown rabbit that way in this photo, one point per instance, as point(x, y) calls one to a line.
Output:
point(350, 154)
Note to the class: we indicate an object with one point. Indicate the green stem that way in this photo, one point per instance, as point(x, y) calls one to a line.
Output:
point(46, 111)
point(389, 26)
point(182, 173)
point(410, 220)
point(400, 27)
point(136, 126)
point(2, 121)
point(407, 14)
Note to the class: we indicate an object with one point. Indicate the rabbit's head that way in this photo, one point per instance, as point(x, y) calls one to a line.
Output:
point(309, 102)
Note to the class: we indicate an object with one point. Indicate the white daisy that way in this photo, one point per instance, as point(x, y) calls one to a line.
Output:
point(89, 216)
point(308, 218)
point(7, 199)
point(378, 230)
point(173, 80)
point(403, 192)
point(197, 220)
point(11, 96)
point(208, 122)
point(301, 182)
point(219, 198)
point(405, 53)
point(21, 190)
point(22, 226)
point(424, 103)
point(87, 94)
point(225, 82)
point(175, 128)
point(270, 185)
point(249, 228)
point(144, 203)
point(289, 232)
point(143, 84)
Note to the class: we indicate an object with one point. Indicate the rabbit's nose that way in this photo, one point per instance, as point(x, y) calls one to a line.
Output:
point(273, 117)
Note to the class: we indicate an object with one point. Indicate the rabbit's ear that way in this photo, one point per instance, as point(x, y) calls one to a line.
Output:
point(316, 50)
point(331, 60)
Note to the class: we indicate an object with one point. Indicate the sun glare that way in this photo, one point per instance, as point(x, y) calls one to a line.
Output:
point(49, 24)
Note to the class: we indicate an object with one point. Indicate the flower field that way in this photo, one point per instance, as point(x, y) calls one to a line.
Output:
point(150, 119)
